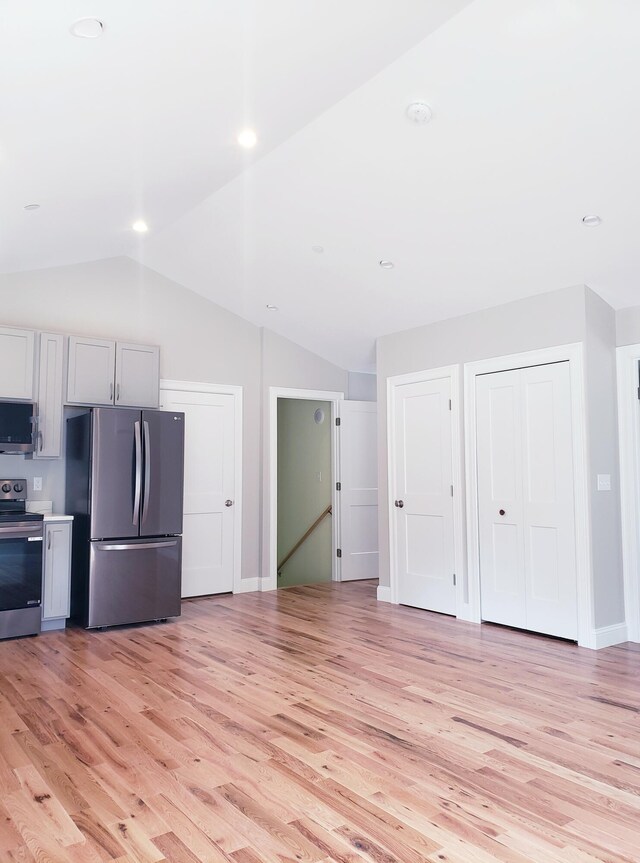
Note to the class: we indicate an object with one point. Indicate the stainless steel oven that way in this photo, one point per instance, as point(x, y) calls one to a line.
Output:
point(21, 535)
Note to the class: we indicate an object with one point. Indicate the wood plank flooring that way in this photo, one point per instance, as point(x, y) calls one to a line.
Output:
point(315, 724)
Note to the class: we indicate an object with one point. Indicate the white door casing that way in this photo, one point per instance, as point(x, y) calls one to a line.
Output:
point(213, 458)
point(422, 491)
point(359, 490)
point(525, 499)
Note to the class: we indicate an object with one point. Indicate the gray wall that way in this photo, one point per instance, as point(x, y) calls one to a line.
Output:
point(561, 317)
point(119, 298)
point(628, 326)
point(362, 387)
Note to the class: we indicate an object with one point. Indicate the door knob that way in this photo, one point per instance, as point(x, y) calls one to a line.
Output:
point(502, 512)
point(228, 503)
point(399, 503)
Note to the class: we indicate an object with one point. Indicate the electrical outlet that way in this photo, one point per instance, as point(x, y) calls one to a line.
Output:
point(37, 483)
point(604, 482)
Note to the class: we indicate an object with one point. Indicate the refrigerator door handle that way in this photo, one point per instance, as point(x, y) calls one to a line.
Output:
point(138, 480)
point(147, 468)
point(134, 546)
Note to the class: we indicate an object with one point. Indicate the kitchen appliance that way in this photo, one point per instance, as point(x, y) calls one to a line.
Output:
point(20, 561)
point(124, 489)
point(17, 421)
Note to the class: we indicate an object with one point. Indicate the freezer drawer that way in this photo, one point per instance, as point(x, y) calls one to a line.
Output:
point(132, 581)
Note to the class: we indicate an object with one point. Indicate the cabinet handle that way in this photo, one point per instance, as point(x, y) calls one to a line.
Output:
point(111, 392)
point(41, 441)
point(49, 540)
point(118, 393)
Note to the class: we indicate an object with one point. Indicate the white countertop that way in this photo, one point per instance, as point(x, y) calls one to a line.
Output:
point(50, 516)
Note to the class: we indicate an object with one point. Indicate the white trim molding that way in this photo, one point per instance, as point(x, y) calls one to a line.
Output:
point(628, 358)
point(270, 581)
point(248, 585)
point(237, 393)
point(453, 374)
point(608, 636)
point(573, 354)
point(383, 593)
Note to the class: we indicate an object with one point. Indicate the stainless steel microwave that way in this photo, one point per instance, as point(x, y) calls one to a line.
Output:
point(17, 424)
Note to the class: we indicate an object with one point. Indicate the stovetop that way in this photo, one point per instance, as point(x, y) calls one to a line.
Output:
point(13, 502)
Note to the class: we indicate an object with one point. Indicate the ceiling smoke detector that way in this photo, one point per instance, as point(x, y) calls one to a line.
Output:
point(419, 113)
point(271, 308)
point(87, 28)
point(591, 221)
point(386, 265)
point(31, 207)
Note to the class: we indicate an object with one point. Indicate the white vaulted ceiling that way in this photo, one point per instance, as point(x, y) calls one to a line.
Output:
point(535, 124)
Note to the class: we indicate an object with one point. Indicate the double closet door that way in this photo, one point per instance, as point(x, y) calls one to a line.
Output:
point(526, 499)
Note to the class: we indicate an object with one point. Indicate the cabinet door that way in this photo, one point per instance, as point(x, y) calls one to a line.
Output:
point(137, 375)
point(50, 397)
point(90, 376)
point(57, 570)
point(16, 363)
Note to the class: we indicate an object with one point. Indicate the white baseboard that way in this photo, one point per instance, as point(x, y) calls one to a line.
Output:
point(607, 636)
point(248, 585)
point(384, 593)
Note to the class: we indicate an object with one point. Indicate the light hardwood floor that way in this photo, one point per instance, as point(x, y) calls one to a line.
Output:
point(315, 724)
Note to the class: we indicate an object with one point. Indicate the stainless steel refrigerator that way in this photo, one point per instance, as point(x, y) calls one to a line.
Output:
point(124, 489)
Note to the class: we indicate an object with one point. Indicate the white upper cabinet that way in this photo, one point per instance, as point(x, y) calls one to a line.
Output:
point(137, 375)
point(105, 372)
point(17, 349)
point(91, 371)
point(50, 396)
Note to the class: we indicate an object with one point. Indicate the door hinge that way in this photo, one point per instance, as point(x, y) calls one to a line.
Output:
point(339, 552)
point(451, 491)
point(338, 421)
point(454, 579)
point(449, 404)
point(338, 486)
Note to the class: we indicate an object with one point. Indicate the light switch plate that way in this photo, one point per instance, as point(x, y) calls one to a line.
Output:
point(604, 482)
point(37, 483)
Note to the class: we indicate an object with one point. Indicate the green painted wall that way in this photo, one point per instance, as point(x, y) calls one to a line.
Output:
point(304, 490)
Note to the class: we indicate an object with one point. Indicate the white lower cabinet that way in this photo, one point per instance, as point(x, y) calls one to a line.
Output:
point(56, 574)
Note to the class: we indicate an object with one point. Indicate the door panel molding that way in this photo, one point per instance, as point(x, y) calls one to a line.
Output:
point(240, 585)
point(573, 353)
point(452, 373)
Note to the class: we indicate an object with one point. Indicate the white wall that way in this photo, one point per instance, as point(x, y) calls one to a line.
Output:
point(628, 326)
point(119, 298)
point(561, 317)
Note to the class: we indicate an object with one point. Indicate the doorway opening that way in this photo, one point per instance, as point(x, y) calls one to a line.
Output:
point(304, 492)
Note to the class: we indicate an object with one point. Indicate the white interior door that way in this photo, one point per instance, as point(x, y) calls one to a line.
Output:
point(525, 499)
point(359, 490)
point(209, 491)
point(422, 489)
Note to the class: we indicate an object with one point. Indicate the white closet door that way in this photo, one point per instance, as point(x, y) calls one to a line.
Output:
point(359, 490)
point(525, 499)
point(549, 539)
point(500, 507)
point(209, 476)
point(422, 489)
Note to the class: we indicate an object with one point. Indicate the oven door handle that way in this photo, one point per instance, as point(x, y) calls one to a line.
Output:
point(21, 531)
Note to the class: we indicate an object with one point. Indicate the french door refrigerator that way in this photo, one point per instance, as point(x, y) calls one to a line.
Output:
point(124, 489)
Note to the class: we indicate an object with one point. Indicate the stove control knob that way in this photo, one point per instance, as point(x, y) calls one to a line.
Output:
point(6, 488)
point(18, 487)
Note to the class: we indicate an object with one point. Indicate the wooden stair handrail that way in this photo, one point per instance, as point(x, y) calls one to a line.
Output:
point(304, 537)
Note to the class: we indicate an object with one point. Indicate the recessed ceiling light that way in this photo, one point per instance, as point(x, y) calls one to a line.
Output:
point(317, 249)
point(386, 265)
point(419, 112)
point(87, 28)
point(247, 139)
point(271, 308)
point(140, 226)
point(31, 206)
point(591, 221)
